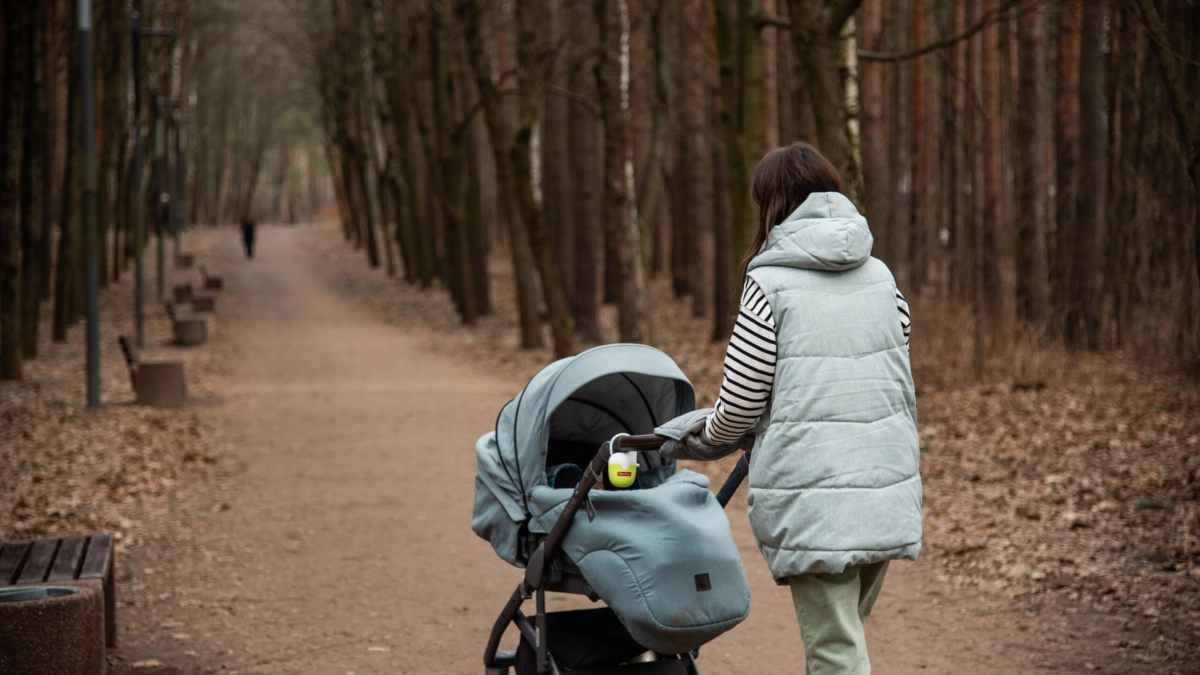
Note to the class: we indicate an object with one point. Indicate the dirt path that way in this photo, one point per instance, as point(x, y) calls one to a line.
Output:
point(343, 543)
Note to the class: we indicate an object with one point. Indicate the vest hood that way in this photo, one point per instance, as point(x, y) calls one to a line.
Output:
point(825, 233)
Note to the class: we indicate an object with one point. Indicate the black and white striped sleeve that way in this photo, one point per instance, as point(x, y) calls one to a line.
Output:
point(749, 370)
point(905, 316)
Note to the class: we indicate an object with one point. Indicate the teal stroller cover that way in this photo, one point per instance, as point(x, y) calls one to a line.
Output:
point(661, 555)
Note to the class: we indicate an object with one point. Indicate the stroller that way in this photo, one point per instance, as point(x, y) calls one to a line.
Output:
point(660, 554)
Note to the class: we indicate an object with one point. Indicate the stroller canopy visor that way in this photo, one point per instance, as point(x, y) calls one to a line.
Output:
point(582, 400)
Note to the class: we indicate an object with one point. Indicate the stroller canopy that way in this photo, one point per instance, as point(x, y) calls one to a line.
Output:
point(586, 400)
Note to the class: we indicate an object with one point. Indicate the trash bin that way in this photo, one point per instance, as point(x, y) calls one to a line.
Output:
point(49, 630)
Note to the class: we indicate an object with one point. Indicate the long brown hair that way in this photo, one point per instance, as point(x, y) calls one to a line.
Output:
point(782, 181)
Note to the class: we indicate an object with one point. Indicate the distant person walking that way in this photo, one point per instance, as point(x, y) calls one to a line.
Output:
point(248, 227)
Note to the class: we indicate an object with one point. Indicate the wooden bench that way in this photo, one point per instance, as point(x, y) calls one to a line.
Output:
point(156, 382)
point(211, 282)
point(189, 328)
point(204, 301)
point(79, 561)
point(183, 292)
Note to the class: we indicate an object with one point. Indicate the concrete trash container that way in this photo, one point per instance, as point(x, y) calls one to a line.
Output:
point(51, 630)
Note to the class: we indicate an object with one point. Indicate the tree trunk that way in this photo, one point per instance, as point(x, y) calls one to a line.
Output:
point(1032, 277)
point(1093, 172)
point(696, 176)
point(633, 302)
point(555, 158)
point(14, 97)
point(524, 270)
point(67, 277)
point(529, 86)
point(1067, 121)
point(878, 184)
point(33, 197)
point(817, 49)
point(586, 185)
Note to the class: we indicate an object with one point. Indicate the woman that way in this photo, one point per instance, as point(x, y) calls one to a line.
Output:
point(818, 365)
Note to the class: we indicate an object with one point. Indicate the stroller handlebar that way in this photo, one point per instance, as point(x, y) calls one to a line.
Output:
point(644, 442)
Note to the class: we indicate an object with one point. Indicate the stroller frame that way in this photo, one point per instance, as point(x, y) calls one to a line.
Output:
point(548, 569)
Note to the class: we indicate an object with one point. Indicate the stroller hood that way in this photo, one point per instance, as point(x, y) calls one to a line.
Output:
point(584, 399)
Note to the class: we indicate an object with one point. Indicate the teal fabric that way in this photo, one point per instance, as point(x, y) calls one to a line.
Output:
point(587, 398)
point(834, 478)
point(642, 554)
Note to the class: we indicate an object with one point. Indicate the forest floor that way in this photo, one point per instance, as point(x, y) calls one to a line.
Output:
point(309, 510)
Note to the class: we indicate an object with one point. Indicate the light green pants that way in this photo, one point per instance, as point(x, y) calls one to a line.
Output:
point(832, 609)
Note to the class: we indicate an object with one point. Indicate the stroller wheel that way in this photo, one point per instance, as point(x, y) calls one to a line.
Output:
point(495, 671)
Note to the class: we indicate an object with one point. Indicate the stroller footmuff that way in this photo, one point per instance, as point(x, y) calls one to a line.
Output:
point(660, 554)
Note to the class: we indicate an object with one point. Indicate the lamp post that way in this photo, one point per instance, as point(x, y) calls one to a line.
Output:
point(139, 207)
point(181, 121)
point(163, 198)
point(87, 120)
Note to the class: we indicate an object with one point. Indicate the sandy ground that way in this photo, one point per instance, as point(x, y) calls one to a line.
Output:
point(339, 541)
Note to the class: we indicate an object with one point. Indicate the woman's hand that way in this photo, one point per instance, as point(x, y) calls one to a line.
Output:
point(687, 438)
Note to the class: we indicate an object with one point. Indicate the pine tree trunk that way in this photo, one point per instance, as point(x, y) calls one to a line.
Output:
point(586, 185)
point(33, 197)
point(1093, 172)
point(1032, 276)
point(696, 177)
point(529, 87)
point(878, 185)
point(817, 49)
point(67, 277)
point(1067, 152)
point(523, 263)
point(555, 159)
point(633, 302)
point(14, 97)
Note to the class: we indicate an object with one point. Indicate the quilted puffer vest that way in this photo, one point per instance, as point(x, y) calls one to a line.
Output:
point(834, 478)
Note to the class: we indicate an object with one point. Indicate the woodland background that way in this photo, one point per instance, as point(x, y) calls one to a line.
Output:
point(1029, 168)
point(532, 177)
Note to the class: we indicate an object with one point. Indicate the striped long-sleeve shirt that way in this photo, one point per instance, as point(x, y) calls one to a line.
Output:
point(750, 367)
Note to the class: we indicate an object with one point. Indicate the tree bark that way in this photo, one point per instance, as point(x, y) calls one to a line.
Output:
point(877, 183)
point(696, 176)
point(555, 159)
point(1093, 172)
point(1032, 276)
point(14, 97)
point(33, 198)
point(633, 303)
point(1067, 132)
point(586, 184)
point(523, 262)
point(816, 41)
point(529, 88)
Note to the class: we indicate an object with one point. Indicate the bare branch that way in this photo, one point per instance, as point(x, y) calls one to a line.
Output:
point(989, 17)
point(840, 14)
point(572, 96)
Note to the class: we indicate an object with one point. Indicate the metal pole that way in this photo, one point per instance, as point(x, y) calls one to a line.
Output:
point(139, 206)
point(159, 185)
point(87, 118)
point(139, 202)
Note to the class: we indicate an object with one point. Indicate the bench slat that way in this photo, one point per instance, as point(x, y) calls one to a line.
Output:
point(41, 556)
point(98, 557)
point(11, 556)
point(70, 552)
